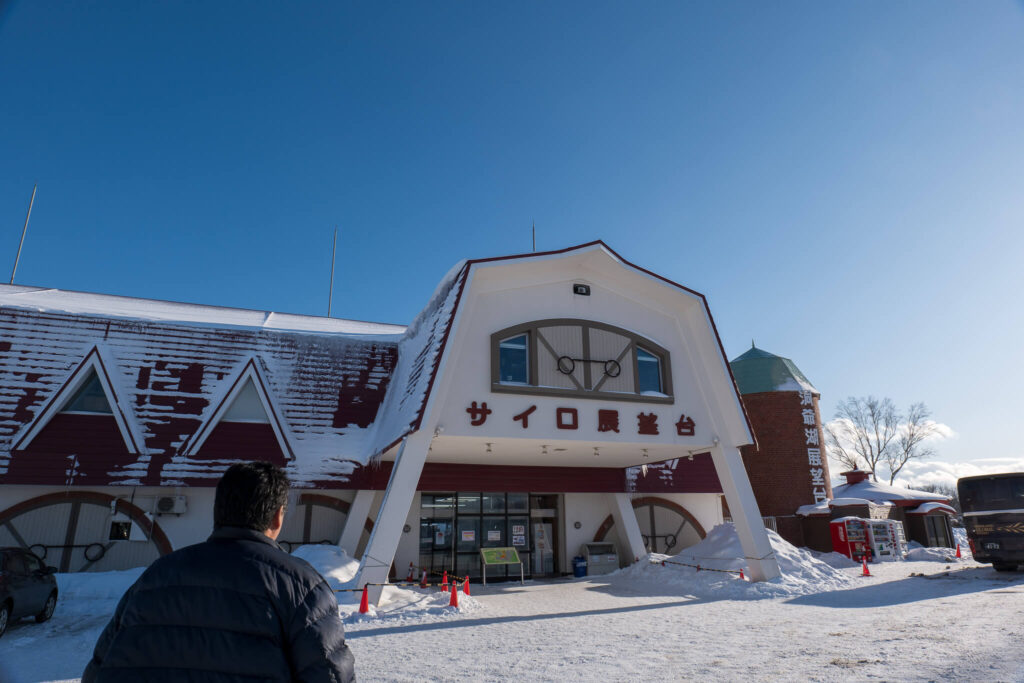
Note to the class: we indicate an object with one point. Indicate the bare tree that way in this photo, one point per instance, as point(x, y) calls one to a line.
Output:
point(863, 432)
point(916, 428)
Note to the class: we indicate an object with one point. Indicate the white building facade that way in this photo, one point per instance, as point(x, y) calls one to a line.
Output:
point(540, 402)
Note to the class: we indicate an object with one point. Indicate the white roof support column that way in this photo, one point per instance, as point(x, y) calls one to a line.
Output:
point(355, 521)
point(629, 528)
point(398, 497)
point(745, 514)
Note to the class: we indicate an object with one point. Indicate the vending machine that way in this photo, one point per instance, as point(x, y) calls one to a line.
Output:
point(887, 540)
point(850, 537)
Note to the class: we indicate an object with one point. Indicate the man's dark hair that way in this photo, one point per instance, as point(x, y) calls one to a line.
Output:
point(249, 494)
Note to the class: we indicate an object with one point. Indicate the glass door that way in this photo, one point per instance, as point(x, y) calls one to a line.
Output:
point(455, 526)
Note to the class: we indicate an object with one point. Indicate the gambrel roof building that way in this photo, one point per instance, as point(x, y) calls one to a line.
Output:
point(535, 403)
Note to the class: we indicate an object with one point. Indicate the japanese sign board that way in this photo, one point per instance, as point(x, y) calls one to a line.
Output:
point(568, 419)
point(499, 555)
point(813, 444)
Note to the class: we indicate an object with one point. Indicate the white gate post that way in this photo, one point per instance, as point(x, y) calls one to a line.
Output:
point(745, 514)
point(629, 528)
point(394, 509)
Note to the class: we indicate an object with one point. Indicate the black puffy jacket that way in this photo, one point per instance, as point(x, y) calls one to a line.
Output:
point(234, 608)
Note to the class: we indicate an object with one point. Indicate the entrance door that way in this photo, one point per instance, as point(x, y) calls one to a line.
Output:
point(544, 545)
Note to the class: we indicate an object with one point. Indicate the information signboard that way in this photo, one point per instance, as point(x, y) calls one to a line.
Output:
point(496, 556)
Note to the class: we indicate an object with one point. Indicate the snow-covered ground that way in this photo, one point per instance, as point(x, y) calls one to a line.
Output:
point(933, 618)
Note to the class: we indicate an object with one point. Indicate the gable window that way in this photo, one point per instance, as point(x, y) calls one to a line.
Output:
point(513, 360)
point(648, 372)
point(580, 358)
point(89, 399)
point(247, 407)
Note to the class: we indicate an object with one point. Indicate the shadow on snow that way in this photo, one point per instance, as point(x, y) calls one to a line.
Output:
point(912, 589)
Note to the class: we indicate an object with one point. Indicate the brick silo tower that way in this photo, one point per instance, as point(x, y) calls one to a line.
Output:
point(788, 468)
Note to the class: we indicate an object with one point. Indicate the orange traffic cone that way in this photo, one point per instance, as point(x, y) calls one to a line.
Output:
point(465, 586)
point(444, 580)
point(412, 574)
point(958, 551)
point(865, 572)
point(454, 602)
point(423, 579)
point(364, 604)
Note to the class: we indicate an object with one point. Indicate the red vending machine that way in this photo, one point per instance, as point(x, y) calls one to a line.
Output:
point(850, 537)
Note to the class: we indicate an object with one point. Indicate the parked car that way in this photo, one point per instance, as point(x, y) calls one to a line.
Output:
point(27, 587)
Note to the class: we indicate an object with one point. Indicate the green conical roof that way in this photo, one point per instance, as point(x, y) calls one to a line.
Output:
point(758, 371)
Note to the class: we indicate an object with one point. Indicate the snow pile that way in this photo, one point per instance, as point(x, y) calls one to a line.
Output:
point(406, 606)
point(919, 553)
point(332, 562)
point(802, 573)
point(75, 588)
point(834, 559)
point(397, 605)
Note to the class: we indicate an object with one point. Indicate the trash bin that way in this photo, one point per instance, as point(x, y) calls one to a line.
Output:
point(579, 566)
point(602, 558)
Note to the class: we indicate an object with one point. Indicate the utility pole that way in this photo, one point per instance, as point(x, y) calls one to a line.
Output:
point(334, 251)
point(23, 231)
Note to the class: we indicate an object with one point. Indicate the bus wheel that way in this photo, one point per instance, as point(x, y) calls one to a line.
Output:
point(1004, 566)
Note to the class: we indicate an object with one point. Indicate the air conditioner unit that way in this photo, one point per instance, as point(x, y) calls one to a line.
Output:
point(170, 505)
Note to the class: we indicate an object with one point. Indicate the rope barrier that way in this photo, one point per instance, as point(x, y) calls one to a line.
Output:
point(412, 584)
point(700, 568)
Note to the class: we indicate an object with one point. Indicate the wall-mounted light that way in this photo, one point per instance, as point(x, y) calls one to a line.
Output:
point(581, 290)
point(577, 525)
point(406, 529)
point(596, 453)
point(644, 450)
point(543, 449)
point(488, 446)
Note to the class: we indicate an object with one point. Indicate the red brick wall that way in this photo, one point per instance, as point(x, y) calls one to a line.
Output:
point(778, 468)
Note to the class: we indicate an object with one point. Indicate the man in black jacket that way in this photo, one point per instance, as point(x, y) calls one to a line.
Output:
point(236, 607)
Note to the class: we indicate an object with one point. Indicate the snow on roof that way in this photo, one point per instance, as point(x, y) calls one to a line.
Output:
point(419, 353)
point(847, 500)
point(172, 364)
point(168, 379)
point(821, 508)
point(81, 303)
point(925, 508)
point(878, 492)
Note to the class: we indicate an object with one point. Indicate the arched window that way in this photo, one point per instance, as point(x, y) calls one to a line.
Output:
point(579, 358)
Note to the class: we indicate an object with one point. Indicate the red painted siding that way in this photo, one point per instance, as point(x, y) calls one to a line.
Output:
point(83, 448)
point(242, 441)
point(680, 476)
point(448, 477)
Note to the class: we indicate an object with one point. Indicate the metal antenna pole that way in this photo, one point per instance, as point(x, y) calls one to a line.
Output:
point(23, 231)
point(334, 251)
point(535, 236)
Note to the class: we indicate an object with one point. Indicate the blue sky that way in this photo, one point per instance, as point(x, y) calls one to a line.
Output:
point(843, 181)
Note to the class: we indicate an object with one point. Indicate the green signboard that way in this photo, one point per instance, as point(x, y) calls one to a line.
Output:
point(500, 555)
